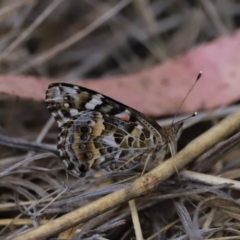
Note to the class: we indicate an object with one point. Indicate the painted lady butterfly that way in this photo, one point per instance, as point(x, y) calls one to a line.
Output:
point(98, 132)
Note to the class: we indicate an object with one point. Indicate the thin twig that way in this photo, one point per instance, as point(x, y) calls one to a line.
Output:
point(208, 179)
point(135, 219)
point(6, 11)
point(26, 145)
point(214, 16)
point(209, 158)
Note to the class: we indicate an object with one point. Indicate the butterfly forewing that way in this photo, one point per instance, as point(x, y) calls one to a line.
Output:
point(98, 132)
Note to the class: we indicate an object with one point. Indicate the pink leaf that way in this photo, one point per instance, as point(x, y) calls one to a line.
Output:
point(159, 90)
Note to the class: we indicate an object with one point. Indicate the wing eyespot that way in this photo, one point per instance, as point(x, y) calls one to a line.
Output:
point(85, 129)
point(88, 156)
point(82, 146)
point(85, 137)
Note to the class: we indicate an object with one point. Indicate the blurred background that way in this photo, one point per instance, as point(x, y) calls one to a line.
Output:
point(91, 39)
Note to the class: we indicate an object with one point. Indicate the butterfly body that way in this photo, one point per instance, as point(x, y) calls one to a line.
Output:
point(97, 132)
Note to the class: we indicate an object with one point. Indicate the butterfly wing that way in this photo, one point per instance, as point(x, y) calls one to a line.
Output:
point(98, 132)
point(67, 100)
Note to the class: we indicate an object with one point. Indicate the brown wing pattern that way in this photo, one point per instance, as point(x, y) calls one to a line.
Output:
point(98, 132)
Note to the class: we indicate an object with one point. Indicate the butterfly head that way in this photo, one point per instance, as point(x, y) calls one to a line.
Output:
point(171, 136)
point(173, 132)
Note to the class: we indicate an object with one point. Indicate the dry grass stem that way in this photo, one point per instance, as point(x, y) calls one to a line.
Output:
point(135, 219)
point(208, 179)
point(6, 11)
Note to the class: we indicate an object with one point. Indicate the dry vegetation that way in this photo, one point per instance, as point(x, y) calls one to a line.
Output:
point(82, 39)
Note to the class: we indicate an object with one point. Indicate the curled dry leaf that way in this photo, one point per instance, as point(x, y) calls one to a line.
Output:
point(160, 89)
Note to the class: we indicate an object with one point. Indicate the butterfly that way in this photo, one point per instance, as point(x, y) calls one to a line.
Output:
point(99, 133)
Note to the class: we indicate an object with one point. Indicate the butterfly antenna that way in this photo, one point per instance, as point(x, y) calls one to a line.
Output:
point(197, 78)
point(193, 115)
